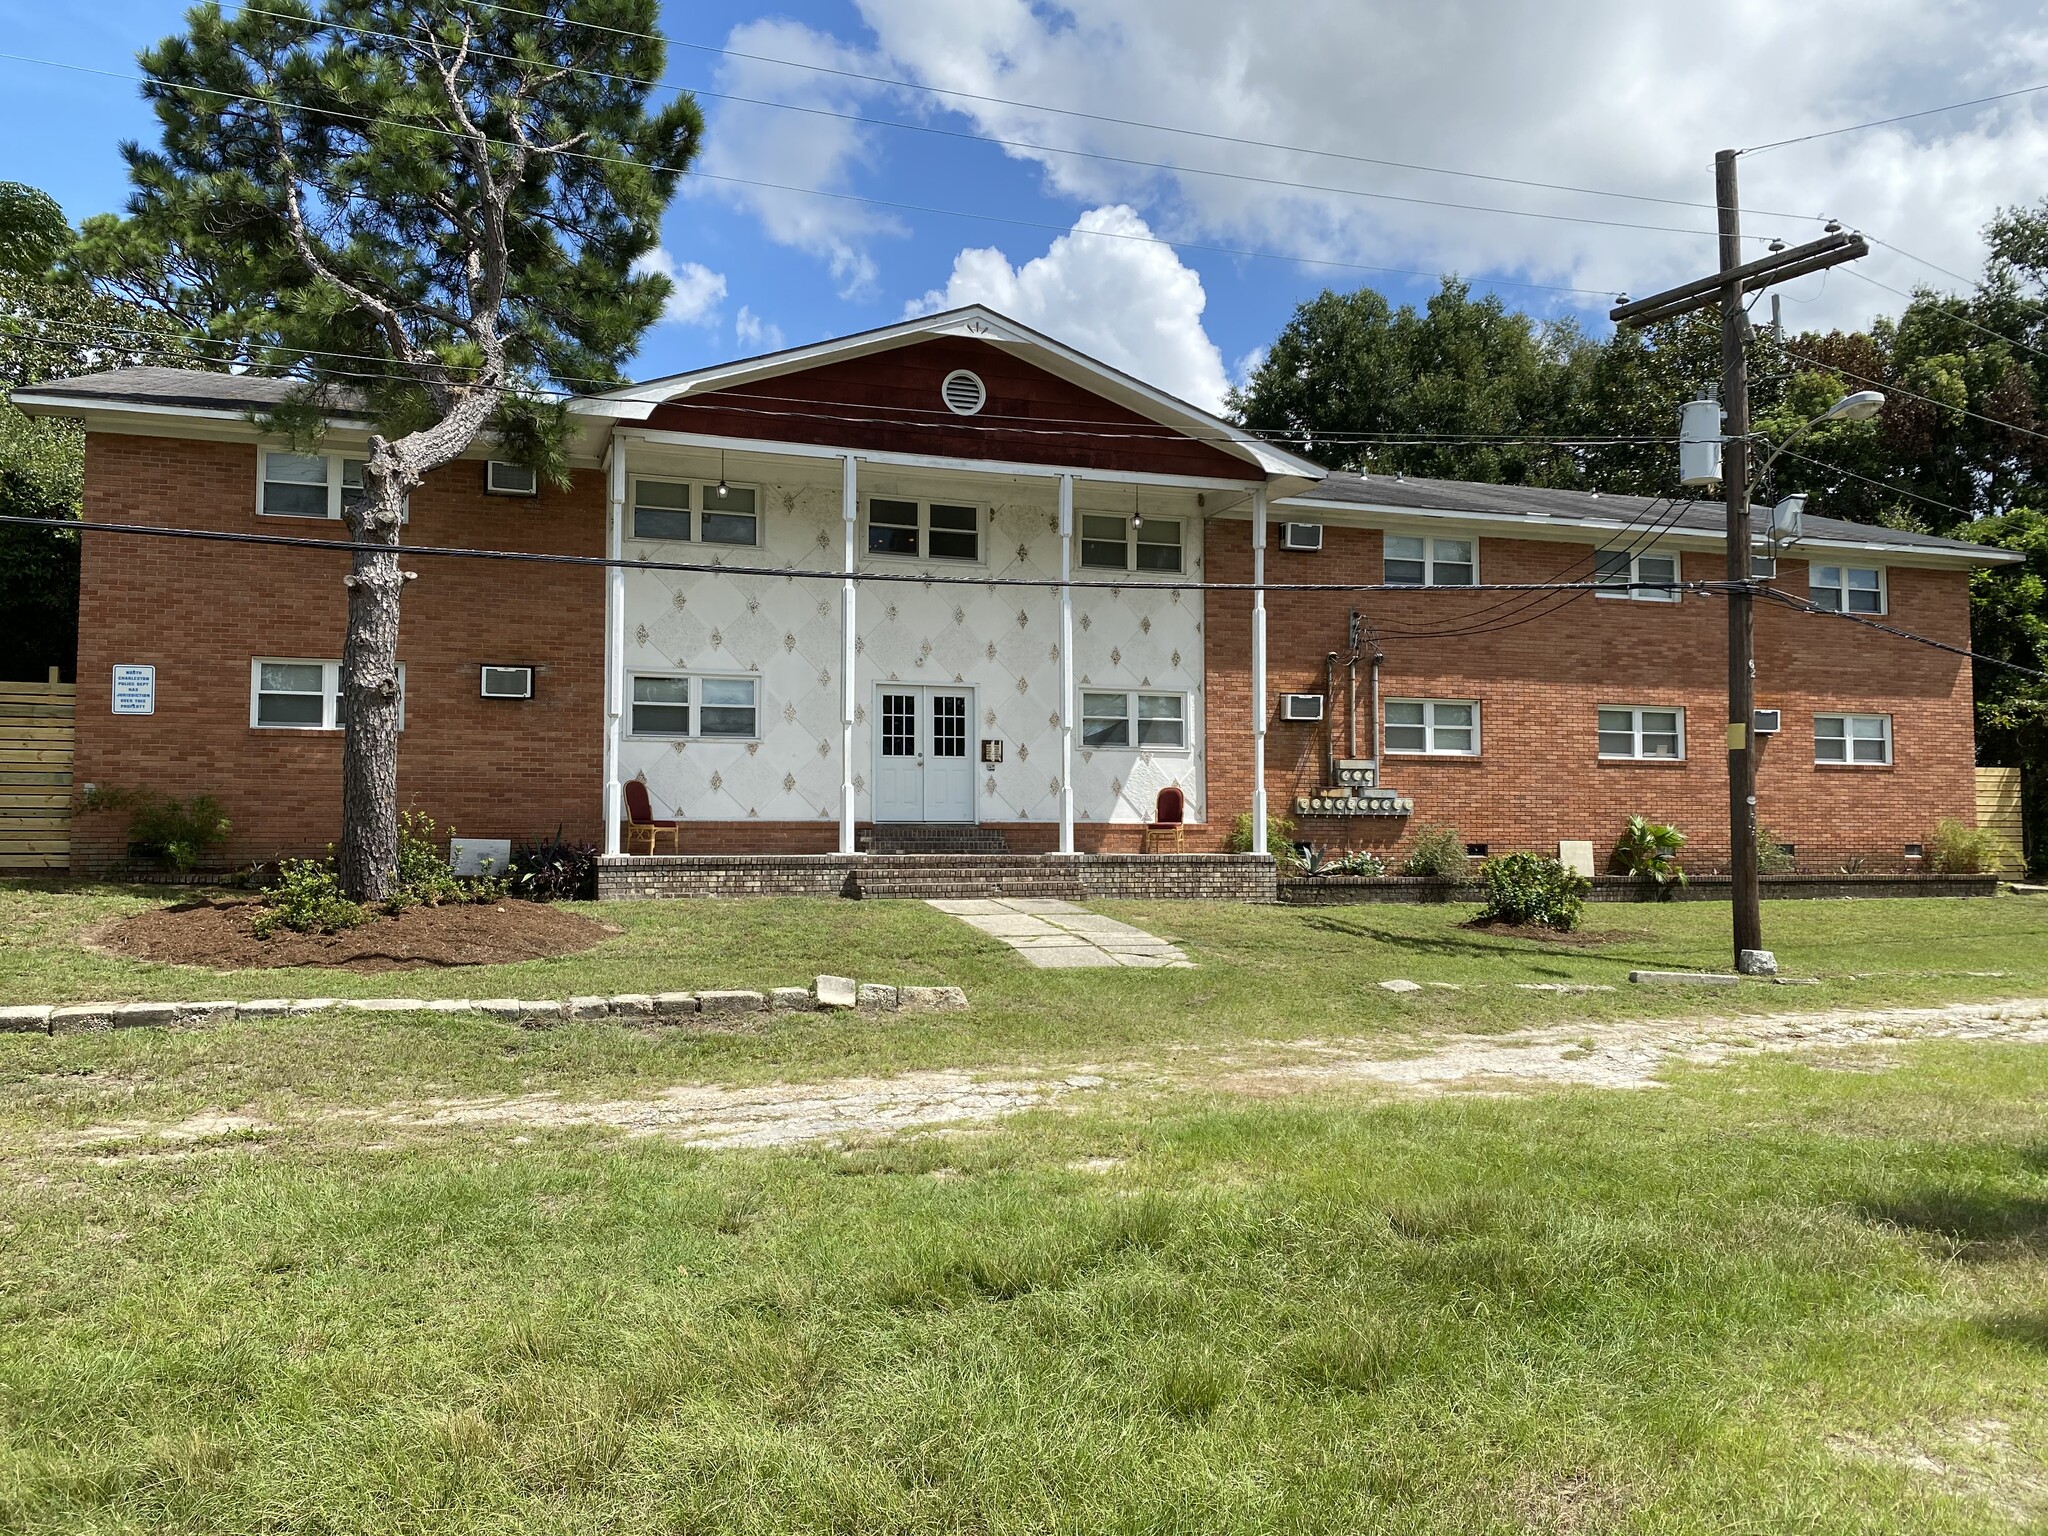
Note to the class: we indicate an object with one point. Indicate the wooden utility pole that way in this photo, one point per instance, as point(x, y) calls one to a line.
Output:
point(1726, 288)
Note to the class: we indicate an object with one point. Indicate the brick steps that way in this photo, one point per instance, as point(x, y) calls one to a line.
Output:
point(932, 838)
point(923, 877)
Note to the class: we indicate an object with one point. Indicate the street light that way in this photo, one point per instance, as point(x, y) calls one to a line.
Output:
point(1861, 406)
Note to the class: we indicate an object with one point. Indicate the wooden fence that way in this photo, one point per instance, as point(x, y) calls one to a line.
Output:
point(35, 774)
point(1998, 810)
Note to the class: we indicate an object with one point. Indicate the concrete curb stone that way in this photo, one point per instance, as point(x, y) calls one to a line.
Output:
point(835, 992)
point(791, 1000)
point(26, 1019)
point(874, 997)
point(730, 1002)
point(670, 1005)
point(633, 1005)
point(588, 1008)
point(931, 999)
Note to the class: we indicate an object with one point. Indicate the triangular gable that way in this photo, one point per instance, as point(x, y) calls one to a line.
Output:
point(880, 391)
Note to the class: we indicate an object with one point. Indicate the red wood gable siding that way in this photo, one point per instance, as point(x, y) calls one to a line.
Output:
point(895, 395)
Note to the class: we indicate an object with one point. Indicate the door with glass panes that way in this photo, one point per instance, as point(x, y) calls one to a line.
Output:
point(924, 764)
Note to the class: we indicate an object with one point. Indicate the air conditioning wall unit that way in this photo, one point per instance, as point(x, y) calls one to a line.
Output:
point(507, 682)
point(1301, 706)
point(1767, 721)
point(1305, 537)
point(503, 479)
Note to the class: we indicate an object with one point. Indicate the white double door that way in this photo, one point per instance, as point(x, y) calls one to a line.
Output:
point(924, 763)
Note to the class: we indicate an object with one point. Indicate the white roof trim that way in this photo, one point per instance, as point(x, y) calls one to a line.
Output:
point(636, 402)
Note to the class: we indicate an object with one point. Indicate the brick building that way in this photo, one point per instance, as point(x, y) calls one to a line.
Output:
point(952, 574)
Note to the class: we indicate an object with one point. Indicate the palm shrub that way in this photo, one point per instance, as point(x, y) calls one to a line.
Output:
point(1439, 853)
point(1529, 888)
point(1648, 850)
point(1961, 849)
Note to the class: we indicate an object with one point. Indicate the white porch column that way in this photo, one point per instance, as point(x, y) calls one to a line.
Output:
point(849, 515)
point(1067, 699)
point(1259, 670)
point(614, 641)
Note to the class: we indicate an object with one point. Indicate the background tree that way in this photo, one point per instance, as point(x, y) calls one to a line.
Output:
point(436, 206)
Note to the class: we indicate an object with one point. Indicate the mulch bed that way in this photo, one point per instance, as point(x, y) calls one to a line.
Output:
point(218, 935)
point(1576, 938)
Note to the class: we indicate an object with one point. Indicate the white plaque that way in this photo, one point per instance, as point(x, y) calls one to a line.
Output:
point(134, 690)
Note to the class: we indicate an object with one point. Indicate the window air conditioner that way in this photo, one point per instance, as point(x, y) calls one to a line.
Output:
point(508, 683)
point(502, 479)
point(1306, 537)
point(1767, 721)
point(1301, 706)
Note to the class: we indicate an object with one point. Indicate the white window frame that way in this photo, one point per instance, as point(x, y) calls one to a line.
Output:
point(696, 706)
point(491, 486)
point(330, 692)
point(1849, 758)
point(924, 506)
point(336, 472)
point(1133, 721)
point(1839, 590)
point(1627, 586)
point(1430, 728)
point(701, 493)
point(1635, 712)
point(1131, 543)
point(1429, 543)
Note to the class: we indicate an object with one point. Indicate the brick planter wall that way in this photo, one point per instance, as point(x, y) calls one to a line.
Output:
point(1348, 890)
point(1156, 877)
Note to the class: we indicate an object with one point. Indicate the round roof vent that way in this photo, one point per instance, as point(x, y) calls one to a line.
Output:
point(963, 392)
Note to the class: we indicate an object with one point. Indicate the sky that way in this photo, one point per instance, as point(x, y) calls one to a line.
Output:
point(1161, 182)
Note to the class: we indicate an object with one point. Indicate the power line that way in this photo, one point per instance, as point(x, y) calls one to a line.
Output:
point(1790, 601)
point(1962, 320)
point(1903, 117)
point(1049, 149)
point(894, 205)
point(1897, 389)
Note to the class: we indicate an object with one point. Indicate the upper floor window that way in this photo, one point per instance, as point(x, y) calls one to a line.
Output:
point(307, 484)
point(1647, 578)
point(935, 530)
point(1419, 562)
point(1642, 733)
point(695, 511)
point(1443, 727)
point(1863, 739)
point(1111, 543)
point(1846, 588)
point(292, 694)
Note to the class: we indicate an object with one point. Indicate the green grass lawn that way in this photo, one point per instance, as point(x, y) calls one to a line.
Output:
point(1789, 1294)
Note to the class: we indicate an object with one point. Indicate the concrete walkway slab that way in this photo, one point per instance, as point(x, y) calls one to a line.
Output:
point(1058, 935)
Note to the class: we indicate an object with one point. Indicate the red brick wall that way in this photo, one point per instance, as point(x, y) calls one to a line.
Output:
point(893, 400)
point(1539, 683)
point(199, 612)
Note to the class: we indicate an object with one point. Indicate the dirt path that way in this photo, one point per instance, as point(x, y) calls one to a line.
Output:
point(1630, 1055)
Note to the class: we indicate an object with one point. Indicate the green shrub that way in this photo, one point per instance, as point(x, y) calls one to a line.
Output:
point(425, 877)
point(1359, 863)
point(1279, 839)
point(1772, 855)
point(306, 897)
point(1648, 850)
point(1961, 849)
point(1528, 888)
point(1438, 852)
point(175, 834)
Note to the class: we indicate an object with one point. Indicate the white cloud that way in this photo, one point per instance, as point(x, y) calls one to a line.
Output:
point(754, 334)
point(1127, 301)
point(1592, 93)
point(771, 160)
point(697, 293)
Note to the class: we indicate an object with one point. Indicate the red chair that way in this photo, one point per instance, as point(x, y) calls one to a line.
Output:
point(1165, 831)
point(640, 822)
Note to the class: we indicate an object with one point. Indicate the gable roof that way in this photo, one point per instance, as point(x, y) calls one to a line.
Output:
point(1544, 506)
point(179, 391)
point(636, 402)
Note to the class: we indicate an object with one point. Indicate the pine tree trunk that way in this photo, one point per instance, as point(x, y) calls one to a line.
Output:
point(370, 696)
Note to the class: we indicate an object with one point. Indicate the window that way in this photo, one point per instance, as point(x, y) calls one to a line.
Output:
point(307, 484)
point(937, 530)
point(1846, 588)
point(724, 514)
point(1447, 727)
point(725, 706)
point(1657, 734)
point(1647, 578)
point(1108, 720)
point(1416, 562)
point(1110, 543)
point(302, 695)
point(1865, 739)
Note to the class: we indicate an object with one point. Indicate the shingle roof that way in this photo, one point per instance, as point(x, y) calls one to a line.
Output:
point(175, 388)
point(1705, 516)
